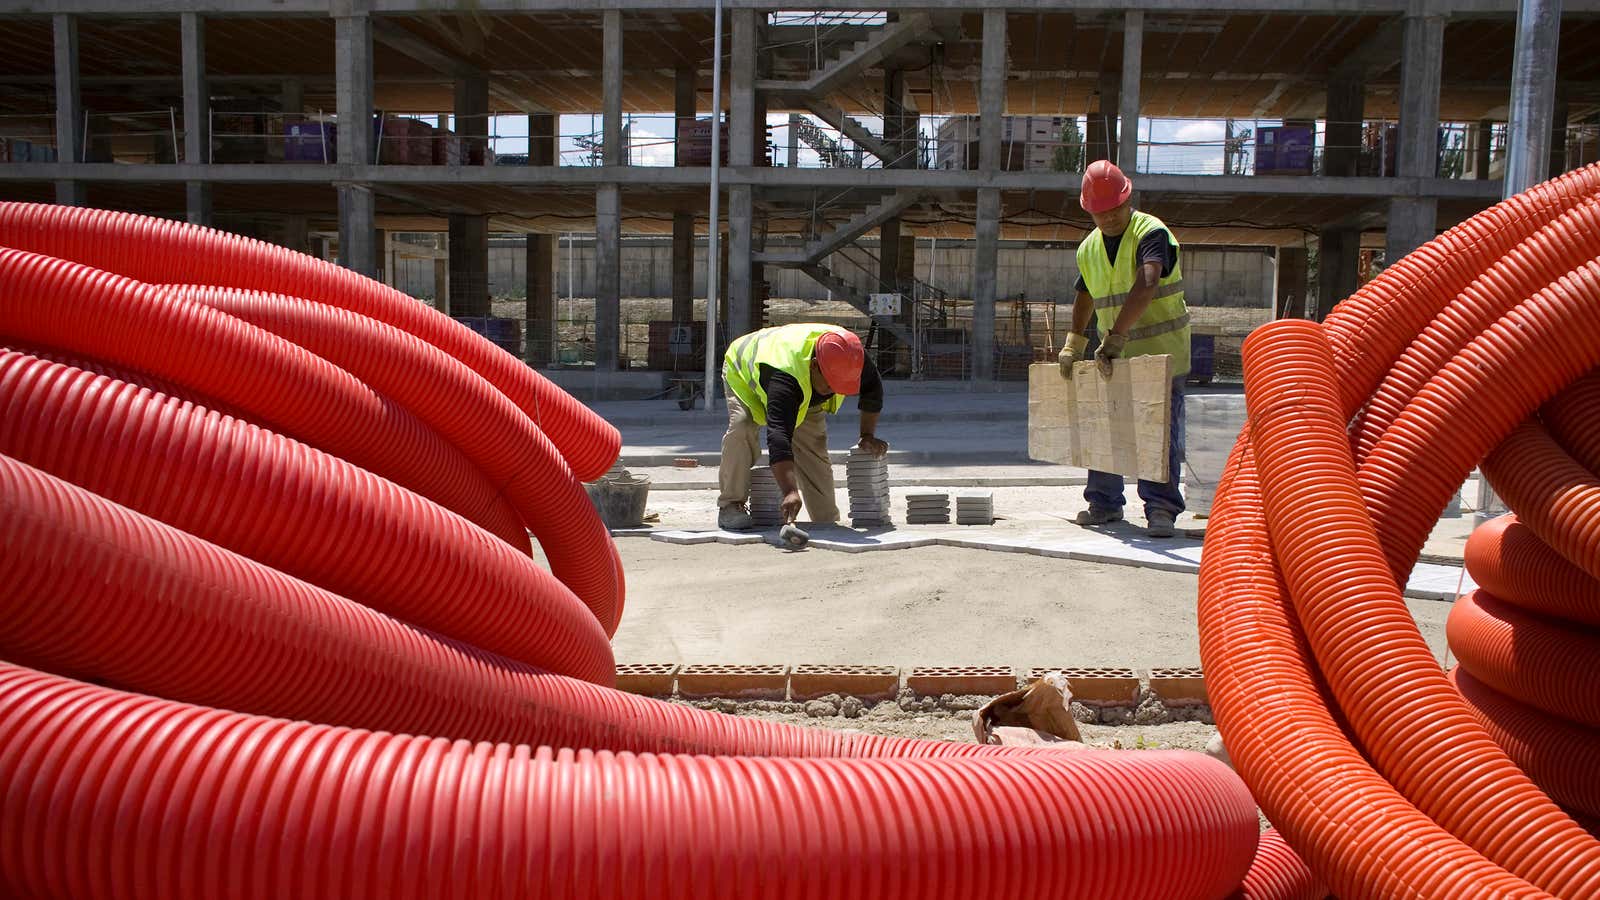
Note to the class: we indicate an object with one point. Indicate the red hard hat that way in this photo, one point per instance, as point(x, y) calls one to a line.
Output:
point(1104, 187)
point(840, 357)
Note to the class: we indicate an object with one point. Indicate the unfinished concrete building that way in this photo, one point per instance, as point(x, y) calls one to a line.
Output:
point(849, 156)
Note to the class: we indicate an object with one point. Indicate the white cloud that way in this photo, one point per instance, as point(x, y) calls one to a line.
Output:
point(1205, 130)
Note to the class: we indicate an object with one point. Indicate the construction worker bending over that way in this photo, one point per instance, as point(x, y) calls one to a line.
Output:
point(1129, 280)
point(787, 378)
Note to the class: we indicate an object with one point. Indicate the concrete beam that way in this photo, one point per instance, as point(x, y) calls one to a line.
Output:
point(196, 115)
point(1128, 109)
point(69, 106)
point(759, 176)
point(607, 278)
point(992, 89)
point(984, 284)
point(612, 153)
point(316, 8)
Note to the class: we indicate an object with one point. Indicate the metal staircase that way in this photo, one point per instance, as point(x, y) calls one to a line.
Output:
point(866, 220)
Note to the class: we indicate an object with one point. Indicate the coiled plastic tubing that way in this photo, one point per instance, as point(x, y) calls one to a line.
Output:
point(270, 627)
point(1390, 776)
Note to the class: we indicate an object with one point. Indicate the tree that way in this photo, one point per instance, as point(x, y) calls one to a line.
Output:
point(1069, 156)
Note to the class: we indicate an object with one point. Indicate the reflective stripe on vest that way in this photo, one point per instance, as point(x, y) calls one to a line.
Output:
point(787, 348)
point(1164, 326)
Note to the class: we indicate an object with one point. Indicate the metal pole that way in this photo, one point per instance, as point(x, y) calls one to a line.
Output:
point(713, 263)
point(1533, 89)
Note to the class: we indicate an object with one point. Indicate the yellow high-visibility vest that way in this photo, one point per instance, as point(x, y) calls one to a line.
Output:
point(787, 348)
point(1164, 327)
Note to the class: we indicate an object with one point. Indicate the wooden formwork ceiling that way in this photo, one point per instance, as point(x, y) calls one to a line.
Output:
point(1194, 64)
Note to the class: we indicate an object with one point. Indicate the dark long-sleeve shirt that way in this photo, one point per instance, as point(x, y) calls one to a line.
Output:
point(783, 405)
point(1153, 247)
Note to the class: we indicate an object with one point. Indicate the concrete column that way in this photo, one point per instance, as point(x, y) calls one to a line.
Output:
point(472, 119)
point(1480, 149)
point(69, 106)
point(794, 141)
point(539, 324)
point(1338, 267)
point(683, 267)
point(742, 300)
point(196, 115)
point(992, 94)
point(607, 277)
point(1558, 135)
point(896, 135)
point(889, 255)
point(1412, 220)
point(685, 107)
point(542, 139)
point(1291, 302)
point(1345, 110)
point(357, 249)
point(1101, 140)
point(469, 265)
point(1128, 108)
point(742, 102)
point(380, 241)
point(297, 234)
point(612, 153)
point(441, 285)
point(292, 96)
point(984, 284)
point(353, 89)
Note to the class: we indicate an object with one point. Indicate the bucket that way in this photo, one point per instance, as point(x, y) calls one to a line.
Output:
point(620, 499)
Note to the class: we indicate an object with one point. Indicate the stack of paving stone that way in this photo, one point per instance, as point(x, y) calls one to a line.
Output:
point(867, 477)
point(766, 501)
point(928, 509)
point(975, 509)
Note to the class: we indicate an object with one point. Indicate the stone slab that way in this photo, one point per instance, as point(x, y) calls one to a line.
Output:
point(1116, 424)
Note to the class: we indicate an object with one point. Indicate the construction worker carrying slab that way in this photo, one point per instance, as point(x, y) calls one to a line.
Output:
point(1130, 282)
point(788, 378)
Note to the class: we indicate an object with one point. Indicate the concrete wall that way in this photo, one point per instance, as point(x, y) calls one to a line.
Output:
point(1213, 277)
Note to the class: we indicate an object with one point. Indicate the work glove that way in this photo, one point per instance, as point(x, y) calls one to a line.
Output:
point(1110, 349)
point(1071, 353)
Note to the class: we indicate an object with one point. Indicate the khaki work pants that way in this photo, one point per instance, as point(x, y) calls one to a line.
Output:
point(741, 449)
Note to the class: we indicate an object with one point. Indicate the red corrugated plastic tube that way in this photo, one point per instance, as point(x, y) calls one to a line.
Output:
point(161, 251)
point(1278, 873)
point(1538, 661)
point(468, 412)
point(160, 538)
point(1559, 756)
point(97, 315)
point(1303, 632)
point(1509, 561)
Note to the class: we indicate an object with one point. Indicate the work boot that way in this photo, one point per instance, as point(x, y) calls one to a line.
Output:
point(1099, 515)
point(1159, 523)
point(734, 518)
